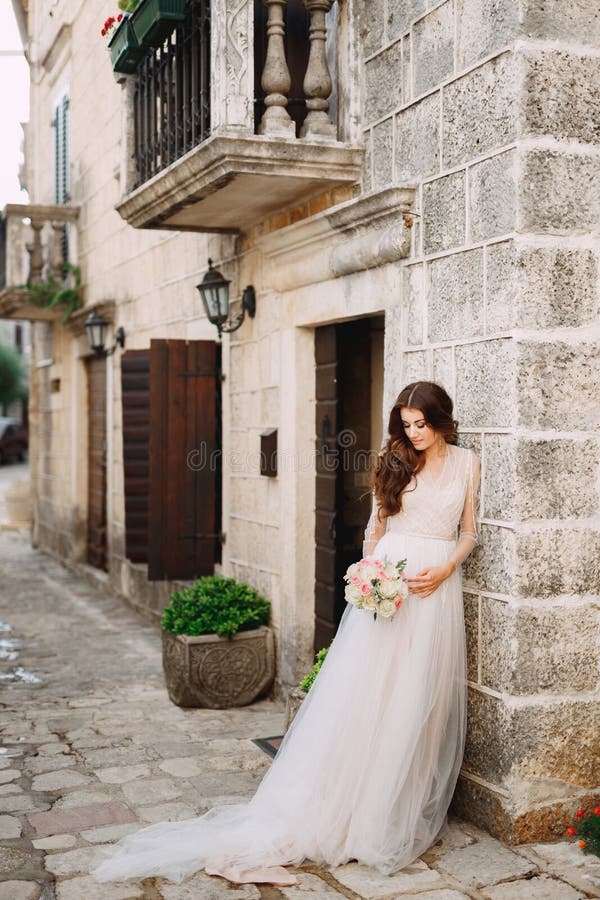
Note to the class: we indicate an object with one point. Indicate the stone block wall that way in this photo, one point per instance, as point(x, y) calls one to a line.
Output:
point(490, 107)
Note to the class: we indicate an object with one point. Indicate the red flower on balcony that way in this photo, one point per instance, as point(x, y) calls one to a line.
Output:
point(110, 23)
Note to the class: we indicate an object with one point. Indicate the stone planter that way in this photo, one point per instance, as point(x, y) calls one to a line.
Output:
point(125, 52)
point(217, 673)
point(154, 20)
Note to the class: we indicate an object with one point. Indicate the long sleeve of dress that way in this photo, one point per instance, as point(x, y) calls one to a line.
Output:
point(469, 522)
point(375, 529)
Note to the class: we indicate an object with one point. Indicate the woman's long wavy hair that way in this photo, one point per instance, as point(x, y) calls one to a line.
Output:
point(398, 460)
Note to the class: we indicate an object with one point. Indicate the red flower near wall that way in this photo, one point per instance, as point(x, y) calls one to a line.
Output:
point(110, 23)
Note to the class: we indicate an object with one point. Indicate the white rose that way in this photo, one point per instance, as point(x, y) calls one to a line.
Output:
point(368, 573)
point(353, 594)
point(390, 589)
point(369, 601)
point(386, 608)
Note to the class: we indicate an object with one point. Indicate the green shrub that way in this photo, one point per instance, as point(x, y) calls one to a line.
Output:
point(215, 605)
point(307, 682)
point(13, 383)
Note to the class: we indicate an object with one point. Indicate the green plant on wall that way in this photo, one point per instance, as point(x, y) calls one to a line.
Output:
point(128, 6)
point(308, 680)
point(52, 292)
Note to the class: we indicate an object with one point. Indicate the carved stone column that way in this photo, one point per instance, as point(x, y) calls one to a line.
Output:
point(276, 80)
point(36, 256)
point(56, 256)
point(317, 81)
point(232, 67)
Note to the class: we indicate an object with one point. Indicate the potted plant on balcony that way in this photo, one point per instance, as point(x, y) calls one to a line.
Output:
point(217, 649)
point(154, 20)
point(125, 52)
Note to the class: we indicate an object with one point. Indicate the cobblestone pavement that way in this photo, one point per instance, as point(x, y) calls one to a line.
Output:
point(92, 749)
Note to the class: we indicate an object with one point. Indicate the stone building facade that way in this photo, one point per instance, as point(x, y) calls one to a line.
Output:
point(445, 228)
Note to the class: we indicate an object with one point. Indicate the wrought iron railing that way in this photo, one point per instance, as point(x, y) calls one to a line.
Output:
point(172, 96)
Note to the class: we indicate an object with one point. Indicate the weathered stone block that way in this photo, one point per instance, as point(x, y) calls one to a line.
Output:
point(415, 366)
point(383, 153)
point(490, 566)
point(418, 139)
point(493, 196)
point(384, 83)
point(578, 21)
point(488, 752)
point(484, 864)
point(484, 26)
point(499, 477)
point(371, 19)
point(456, 296)
point(559, 192)
point(480, 111)
point(561, 96)
point(557, 479)
point(416, 288)
point(401, 14)
point(558, 561)
point(557, 740)
point(548, 649)
point(539, 287)
point(485, 383)
point(433, 48)
point(539, 888)
point(444, 213)
point(443, 368)
point(558, 385)
point(471, 612)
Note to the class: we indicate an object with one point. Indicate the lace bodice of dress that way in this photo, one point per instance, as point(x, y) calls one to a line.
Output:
point(436, 507)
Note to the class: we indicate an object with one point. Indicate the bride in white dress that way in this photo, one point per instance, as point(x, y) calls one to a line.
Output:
point(368, 767)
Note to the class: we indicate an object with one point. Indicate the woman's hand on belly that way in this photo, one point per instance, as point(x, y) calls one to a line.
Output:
point(428, 580)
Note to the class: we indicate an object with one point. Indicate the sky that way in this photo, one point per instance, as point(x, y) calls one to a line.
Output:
point(14, 105)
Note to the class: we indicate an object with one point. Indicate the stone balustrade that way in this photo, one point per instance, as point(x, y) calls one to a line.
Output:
point(36, 241)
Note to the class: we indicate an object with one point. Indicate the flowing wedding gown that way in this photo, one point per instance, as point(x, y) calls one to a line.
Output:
point(368, 767)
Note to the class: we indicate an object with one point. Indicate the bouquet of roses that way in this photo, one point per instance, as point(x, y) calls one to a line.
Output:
point(376, 584)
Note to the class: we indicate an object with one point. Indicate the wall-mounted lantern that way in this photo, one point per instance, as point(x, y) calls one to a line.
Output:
point(214, 290)
point(96, 328)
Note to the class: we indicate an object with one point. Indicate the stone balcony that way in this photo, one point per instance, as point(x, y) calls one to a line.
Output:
point(243, 148)
point(34, 245)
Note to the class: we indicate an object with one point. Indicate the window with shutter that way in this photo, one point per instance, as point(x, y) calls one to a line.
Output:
point(172, 458)
point(61, 162)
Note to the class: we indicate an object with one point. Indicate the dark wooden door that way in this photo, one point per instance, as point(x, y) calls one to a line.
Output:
point(135, 392)
point(328, 604)
point(345, 440)
point(96, 531)
point(185, 462)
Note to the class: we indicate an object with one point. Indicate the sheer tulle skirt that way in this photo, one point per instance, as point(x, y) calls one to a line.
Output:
point(369, 765)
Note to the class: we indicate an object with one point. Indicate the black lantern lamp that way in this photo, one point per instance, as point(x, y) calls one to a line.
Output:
point(96, 328)
point(214, 290)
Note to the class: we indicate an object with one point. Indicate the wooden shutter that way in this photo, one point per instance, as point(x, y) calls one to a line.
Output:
point(184, 516)
point(135, 391)
point(96, 530)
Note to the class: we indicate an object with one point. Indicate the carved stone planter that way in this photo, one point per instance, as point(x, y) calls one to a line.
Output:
point(217, 673)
